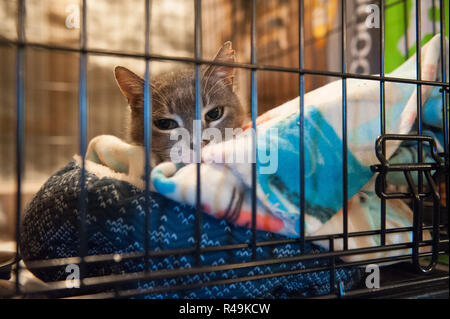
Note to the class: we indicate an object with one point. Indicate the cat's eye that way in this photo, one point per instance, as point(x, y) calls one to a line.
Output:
point(215, 114)
point(166, 124)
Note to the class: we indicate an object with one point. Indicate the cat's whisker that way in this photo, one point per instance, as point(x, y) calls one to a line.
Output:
point(205, 87)
point(162, 103)
point(159, 94)
point(216, 85)
point(205, 84)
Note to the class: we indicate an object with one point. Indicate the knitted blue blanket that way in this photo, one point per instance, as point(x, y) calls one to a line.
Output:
point(115, 224)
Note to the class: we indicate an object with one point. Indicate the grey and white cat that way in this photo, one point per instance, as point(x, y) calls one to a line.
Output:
point(173, 102)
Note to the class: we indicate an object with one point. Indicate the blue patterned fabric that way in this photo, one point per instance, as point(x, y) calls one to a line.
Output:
point(277, 157)
point(115, 224)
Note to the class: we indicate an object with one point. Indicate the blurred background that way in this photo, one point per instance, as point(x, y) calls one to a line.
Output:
point(51, 76)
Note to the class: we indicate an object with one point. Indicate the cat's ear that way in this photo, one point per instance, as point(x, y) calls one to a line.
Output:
point(131, 85)
point(225, 54)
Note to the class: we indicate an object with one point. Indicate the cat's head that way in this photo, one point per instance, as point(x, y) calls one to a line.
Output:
point(173, 102)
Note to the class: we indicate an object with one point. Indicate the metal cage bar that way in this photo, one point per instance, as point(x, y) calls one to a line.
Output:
point(116, 280)
point(254, 111)
point(382, 117)
point(302, 223)
point(445, 117)
point(198, 128)
point(247, 66)
point(20, 130)
point(344, 125)
point(147, 134)
point(418, 202)
point(82, 127)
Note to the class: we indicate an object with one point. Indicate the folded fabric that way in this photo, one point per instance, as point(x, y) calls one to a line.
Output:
point(226, 185)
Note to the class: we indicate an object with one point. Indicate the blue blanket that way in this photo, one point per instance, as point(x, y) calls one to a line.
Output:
point(115, 224)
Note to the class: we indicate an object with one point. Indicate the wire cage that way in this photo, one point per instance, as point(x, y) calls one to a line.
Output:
point(416, 273)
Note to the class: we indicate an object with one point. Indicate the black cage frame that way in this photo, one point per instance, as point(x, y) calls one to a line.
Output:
point(440, 245)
